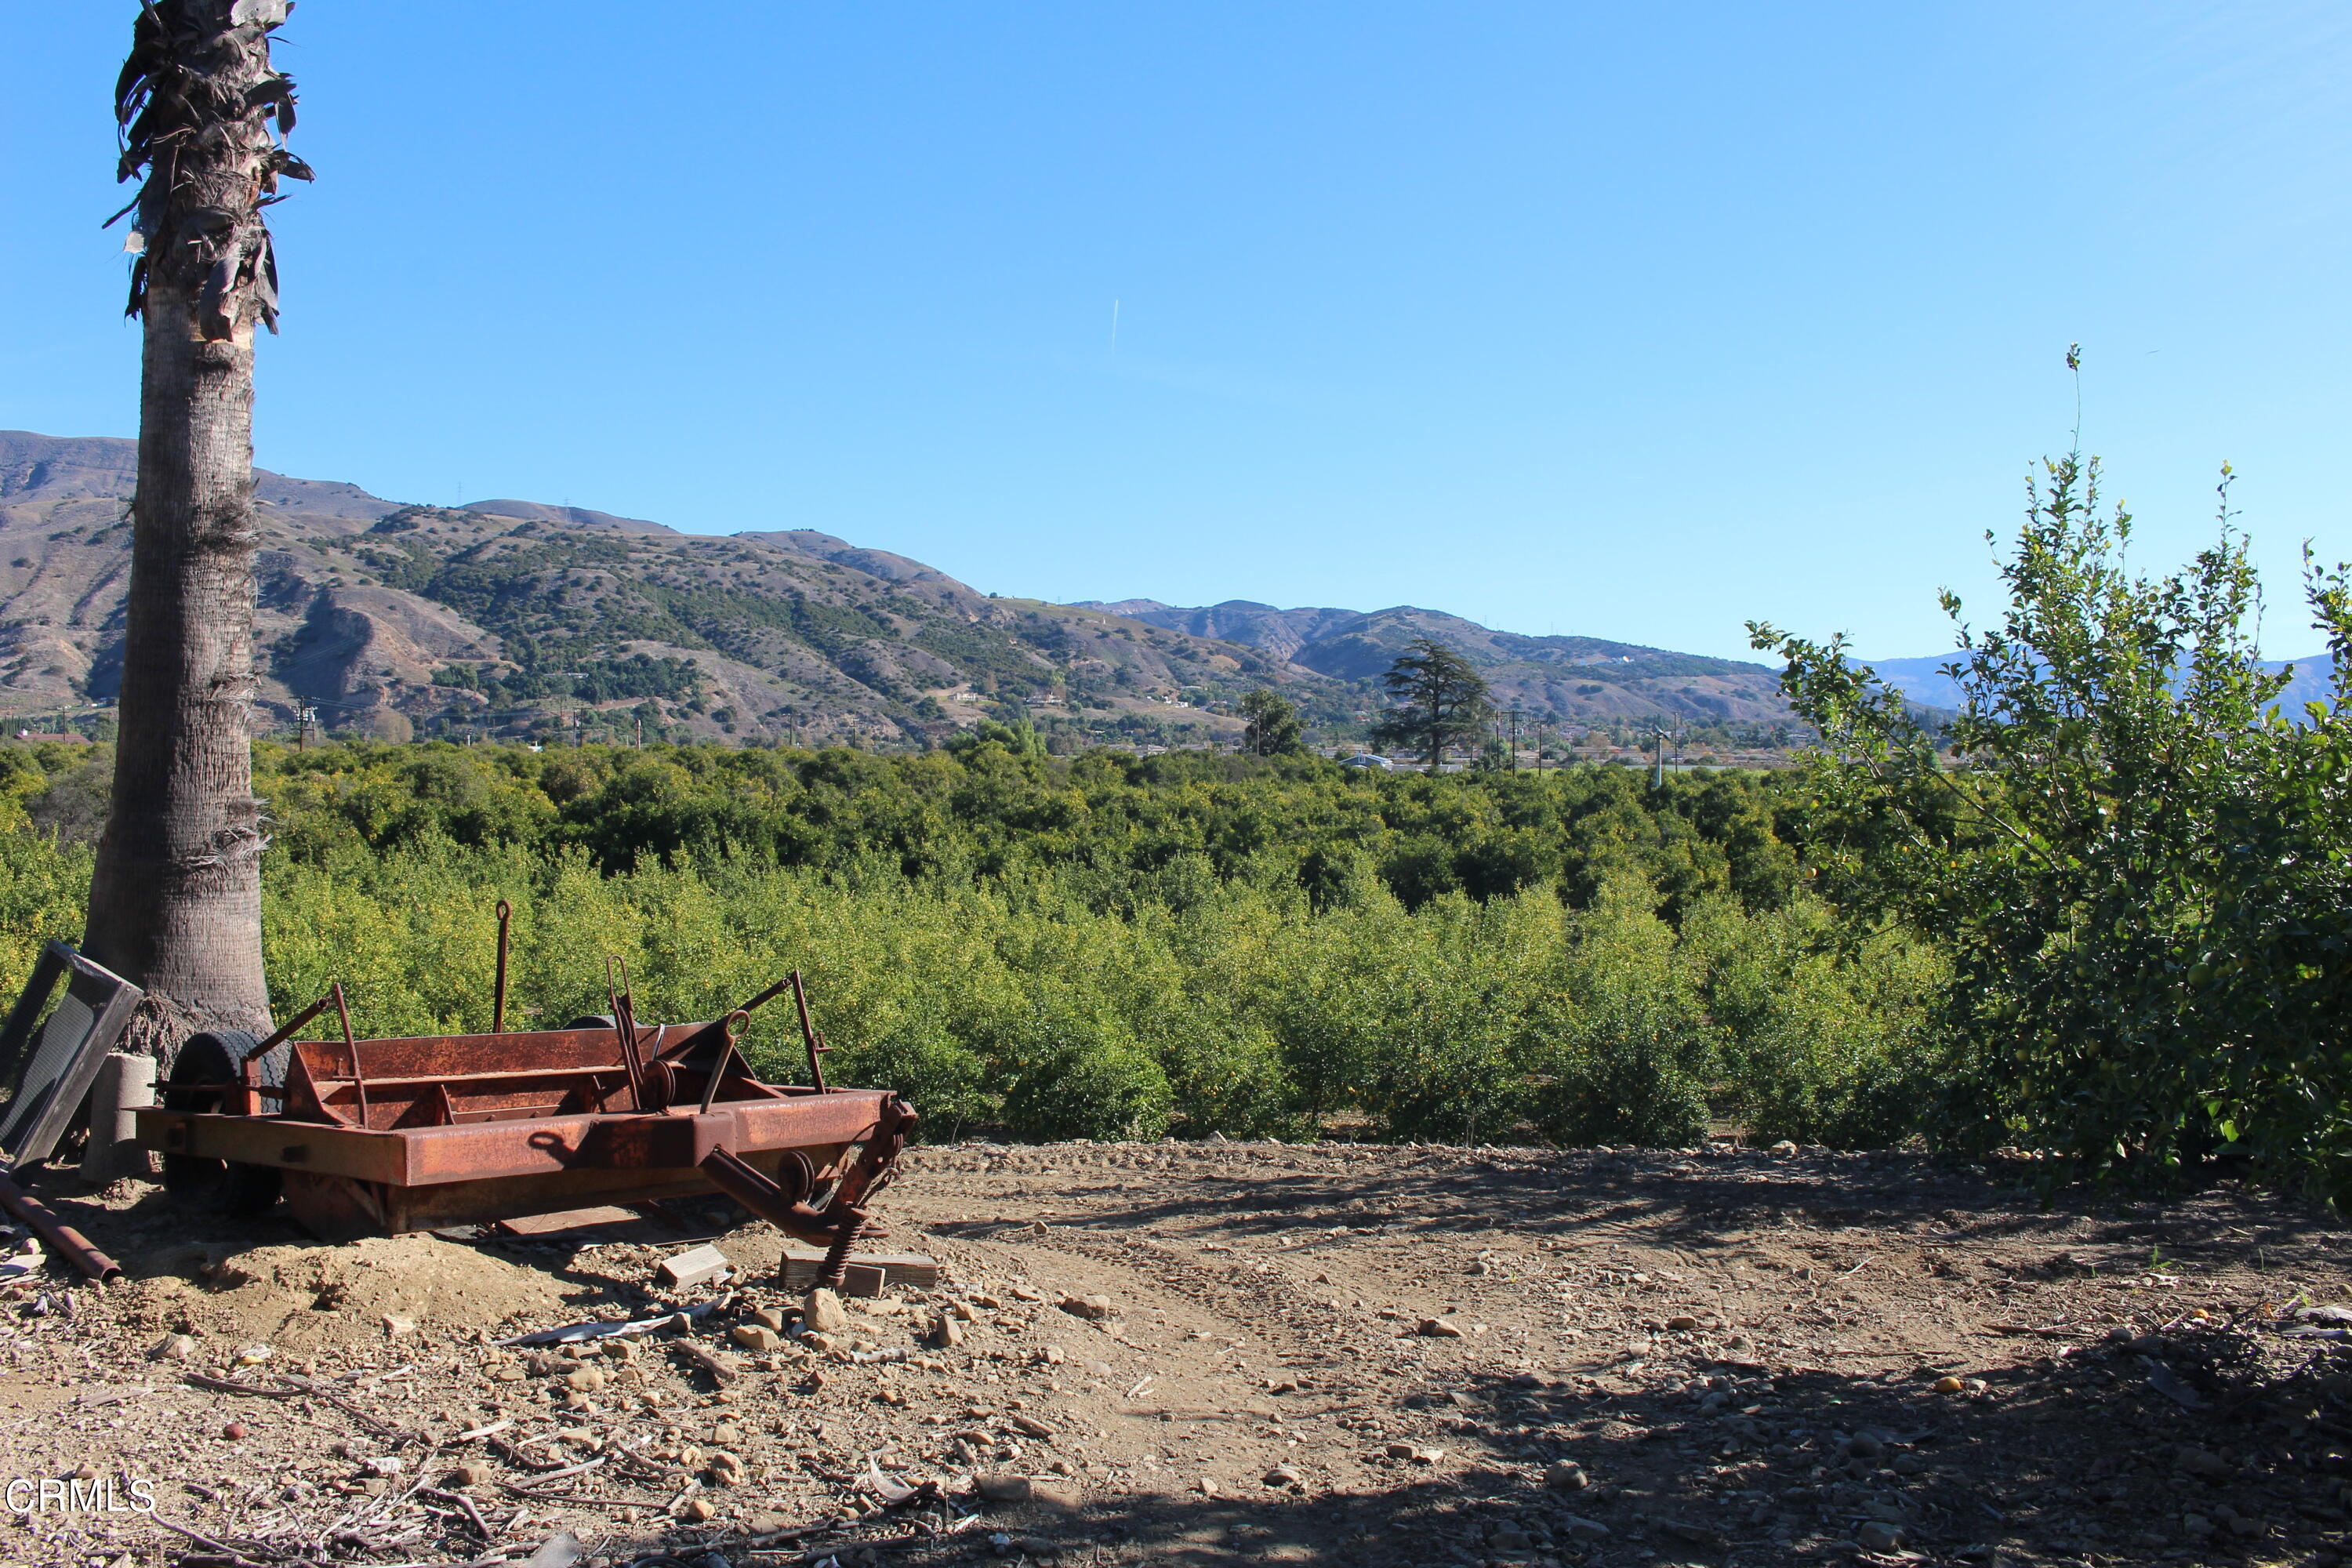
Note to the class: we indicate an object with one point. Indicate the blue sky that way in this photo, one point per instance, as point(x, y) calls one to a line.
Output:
point(1631, 322)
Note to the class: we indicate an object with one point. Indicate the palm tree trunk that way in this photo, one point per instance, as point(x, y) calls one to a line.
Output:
point(175, 902)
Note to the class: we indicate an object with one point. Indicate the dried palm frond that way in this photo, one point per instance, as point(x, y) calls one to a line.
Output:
point(203, 116)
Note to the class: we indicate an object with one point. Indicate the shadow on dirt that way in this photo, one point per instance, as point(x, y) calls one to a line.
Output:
point(2080, 1459)
point(1692, 1200)
point(2198, 1443)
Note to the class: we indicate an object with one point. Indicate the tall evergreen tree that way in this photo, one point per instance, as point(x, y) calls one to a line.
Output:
point(175, 899)
point(1272, 723)
point(1441, 698)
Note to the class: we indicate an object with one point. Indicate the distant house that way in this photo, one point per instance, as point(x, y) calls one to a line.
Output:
point(58, 735)
point(1366, 759)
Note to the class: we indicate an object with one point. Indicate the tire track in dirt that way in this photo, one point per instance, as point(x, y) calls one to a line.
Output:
point(1829, 1294)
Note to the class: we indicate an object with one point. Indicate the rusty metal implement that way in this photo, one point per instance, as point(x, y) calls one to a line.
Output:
point(375, 1137)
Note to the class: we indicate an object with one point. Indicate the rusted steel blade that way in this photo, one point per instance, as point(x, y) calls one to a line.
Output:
point(352, 1045)
point(624, 1025)
point(730, 1027)
point(809, 1036)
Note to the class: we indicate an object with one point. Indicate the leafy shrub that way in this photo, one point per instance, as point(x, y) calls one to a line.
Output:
point(1820, 1043)
point(1078, 1077)
point(1627, 1048)
point(2140, 869)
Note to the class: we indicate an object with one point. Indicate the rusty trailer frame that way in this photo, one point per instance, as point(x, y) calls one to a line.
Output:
point(376, 1137)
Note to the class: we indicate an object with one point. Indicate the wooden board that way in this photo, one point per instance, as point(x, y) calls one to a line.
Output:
point(914, 1269)
point(593, 1226)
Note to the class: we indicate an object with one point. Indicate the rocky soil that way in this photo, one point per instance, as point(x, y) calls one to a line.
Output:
point(1223, 1354)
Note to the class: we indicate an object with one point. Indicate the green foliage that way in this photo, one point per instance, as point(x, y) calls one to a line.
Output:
point(1441, 700)
point(1273, 724)
point(1633, 1052)
point(1100, 946)
point(1828, 1035)
point(1018, 738)
point(598, 680)
point(2137, 865)
point(44, 884)
point(1133, 831)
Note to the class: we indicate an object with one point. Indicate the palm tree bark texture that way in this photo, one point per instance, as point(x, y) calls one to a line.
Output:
point(175, 902)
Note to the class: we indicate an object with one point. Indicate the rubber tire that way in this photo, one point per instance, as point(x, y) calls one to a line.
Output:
point(594, 1021)
point(206, 1065)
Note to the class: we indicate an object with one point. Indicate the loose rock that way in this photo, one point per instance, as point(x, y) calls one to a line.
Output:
point(695, 1266)
point(1439, 1329)
point(2197, 1461)
point(1567, 1476)
point(1879, 1536)
point(824, 1312)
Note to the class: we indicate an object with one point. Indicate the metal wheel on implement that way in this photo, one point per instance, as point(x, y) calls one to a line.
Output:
point(426, 1132)
point(200, 1078)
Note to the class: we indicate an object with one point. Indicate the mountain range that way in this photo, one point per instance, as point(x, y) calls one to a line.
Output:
point(514, 616)
point(504, 617)
point(1580, 680)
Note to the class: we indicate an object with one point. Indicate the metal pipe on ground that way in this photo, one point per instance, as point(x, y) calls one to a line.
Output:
point(76, 1246)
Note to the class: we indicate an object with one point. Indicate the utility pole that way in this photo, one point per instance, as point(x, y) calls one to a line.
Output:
point(1514, 740)
point(303, 719)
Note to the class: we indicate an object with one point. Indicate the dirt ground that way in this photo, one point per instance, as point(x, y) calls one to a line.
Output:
point(1311, 1354)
